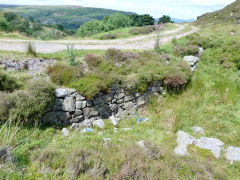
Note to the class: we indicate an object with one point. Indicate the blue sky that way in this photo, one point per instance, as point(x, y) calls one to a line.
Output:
point(183, 9)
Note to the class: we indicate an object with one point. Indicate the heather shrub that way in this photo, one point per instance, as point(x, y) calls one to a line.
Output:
point(92, 60)
point(8, 83)
point(63, 75)
point(116, 55)
point(142, 30)
point(26, 106)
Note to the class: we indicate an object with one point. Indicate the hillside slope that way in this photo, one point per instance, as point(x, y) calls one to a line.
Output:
point(72, 17)
point(229, 14)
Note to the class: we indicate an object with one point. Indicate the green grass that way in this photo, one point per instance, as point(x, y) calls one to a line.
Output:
point(211, 101)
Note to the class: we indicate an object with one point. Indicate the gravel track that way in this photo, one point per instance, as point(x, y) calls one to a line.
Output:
point(140, 42)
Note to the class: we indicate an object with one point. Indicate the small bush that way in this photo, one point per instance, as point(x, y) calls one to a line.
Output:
point(142, 30)
point(185, 50)
point(63, 75)
point(92, 60)
point(8, 83)
point(116, 55)
point(26, 107)
point(108, 36)
point(31, 50)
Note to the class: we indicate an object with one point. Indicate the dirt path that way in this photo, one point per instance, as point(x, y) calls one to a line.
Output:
point(139, 42)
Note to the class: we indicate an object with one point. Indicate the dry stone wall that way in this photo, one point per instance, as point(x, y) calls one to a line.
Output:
point(70, 107)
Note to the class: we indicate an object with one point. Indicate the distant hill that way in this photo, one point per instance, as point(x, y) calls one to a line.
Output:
point(229, 14)
point(179, 20)
point(71, 17)
point(182, 20)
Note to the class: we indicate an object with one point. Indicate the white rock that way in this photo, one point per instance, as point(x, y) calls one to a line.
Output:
point(106, 141)
point(191, 60)
point(200, 51)
point(232, 154)
point(212, 144)
point(65, 132)
point(100, 133)
point(183, 140)
point(99, 123)
point(198, 130)
point(61, 92)
point(140, 144)
point(114, 120)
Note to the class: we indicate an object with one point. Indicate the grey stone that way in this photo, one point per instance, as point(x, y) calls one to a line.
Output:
point(99, 123)
point(63, 116)
point(81, 104)
point(198, 130)
point(107, 98)
point(77, 119)
point(141, 144)
point(49, 117)
point(69, 104)
point(212, 144)
point(128, 105)
point(232, 154)
point(98, 101)
point(200, 51)
point(191, 60)
point(58, 102)
point(119, 96)
point(142, 100)
point(114, 120)
point(89, 103)
point(128, 98)
point(77, 113)
point(127, 129)
point(120, 101)
point(61, 92)
point(90, 112)
point(65, 132)
point(80, 98)
point(183, 140)
point(5, 155)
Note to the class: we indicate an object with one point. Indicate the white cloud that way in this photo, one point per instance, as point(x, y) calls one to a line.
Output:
point(176, 8)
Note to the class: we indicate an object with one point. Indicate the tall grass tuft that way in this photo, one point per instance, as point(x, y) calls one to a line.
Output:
point(71, 56)
point(157, 45)
point(31, 49)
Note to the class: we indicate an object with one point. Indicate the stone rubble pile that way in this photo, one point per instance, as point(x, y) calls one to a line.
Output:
point(194, 60)
point(72, 108)
point(214, 145)
point(34, 67)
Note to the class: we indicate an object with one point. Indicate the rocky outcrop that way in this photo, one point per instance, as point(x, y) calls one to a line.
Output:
point(70, 107)
point(214, 145)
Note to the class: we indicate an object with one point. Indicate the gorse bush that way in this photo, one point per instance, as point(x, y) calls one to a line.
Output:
point(8, 83)
point(26, 107)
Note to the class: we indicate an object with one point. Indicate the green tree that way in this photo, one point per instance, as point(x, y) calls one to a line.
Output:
point(10, 16)
point(141, 20)
point(60, 27)
point(116, 21)
point(164, 19)
point(90, 28)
